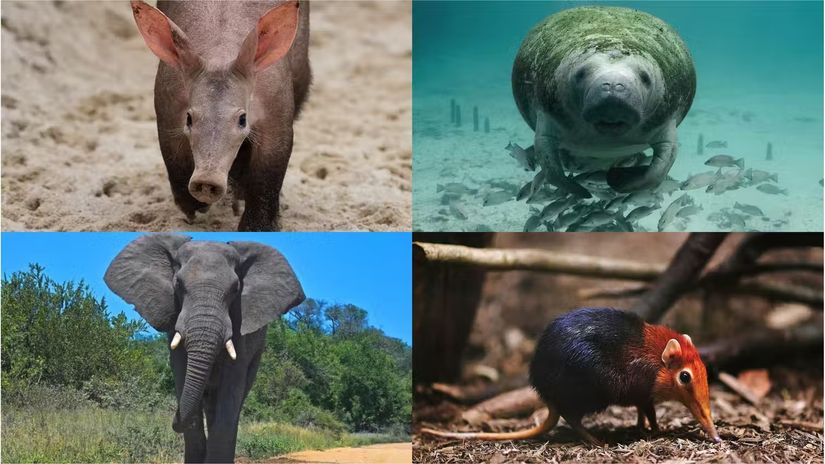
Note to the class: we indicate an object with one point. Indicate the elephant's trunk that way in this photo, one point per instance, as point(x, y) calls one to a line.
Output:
point(204, 339)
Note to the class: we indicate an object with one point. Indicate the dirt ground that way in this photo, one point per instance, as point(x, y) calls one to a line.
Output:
point(387, 453)
point(79, 140)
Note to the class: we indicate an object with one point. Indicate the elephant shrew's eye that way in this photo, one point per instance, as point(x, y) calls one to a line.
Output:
point(684, 377)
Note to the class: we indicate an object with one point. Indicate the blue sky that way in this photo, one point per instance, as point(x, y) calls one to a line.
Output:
point(370, 270)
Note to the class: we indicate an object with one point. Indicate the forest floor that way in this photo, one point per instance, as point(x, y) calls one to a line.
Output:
point(786, 426)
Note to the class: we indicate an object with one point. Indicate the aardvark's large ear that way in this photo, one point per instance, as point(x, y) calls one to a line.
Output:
point(164, 37)
point(270, 286)
point(270, 40)
point(142, 275)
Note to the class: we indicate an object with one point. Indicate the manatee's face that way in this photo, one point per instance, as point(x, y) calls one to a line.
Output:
point(612, 92)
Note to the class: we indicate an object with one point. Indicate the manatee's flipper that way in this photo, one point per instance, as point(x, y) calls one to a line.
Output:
point(632, 179)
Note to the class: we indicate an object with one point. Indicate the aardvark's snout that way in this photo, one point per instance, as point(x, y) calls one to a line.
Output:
point(207, 187)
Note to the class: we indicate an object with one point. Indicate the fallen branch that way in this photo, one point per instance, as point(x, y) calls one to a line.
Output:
point(772, 290)
point(474, 393)
point(763, 346)
point(807, 426)
point(734, 384)
point(493, 259)
point(514, 403)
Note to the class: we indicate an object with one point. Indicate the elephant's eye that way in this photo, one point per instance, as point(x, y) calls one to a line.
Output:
point(242, 120)
point(188, 120)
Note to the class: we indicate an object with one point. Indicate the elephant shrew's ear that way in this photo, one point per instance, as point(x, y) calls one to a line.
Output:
point(270, 286)
point(142, 275)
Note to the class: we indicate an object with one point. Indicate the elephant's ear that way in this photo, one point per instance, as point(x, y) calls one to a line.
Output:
point(142, 275)
point(270, 286)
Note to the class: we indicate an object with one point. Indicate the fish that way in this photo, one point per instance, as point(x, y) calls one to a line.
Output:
point(538, 182)
point(725, 161)
point(668, 186)
point(772, 189)
point(545, 195)
point(533, 223)
point(524, 192)
point(503, 185)
point(594, 219)
point(555, 208)
point(670, 212)
point(727, 181)
point(717, 144)
point(565, 220)
point(643, 197)
point(458, 211)
point(615, 204)
point(749, 209)
point(456, 188)
point(497, 197)
point(641, 212)
point(688, 211)
point(525, 158)
point(448, 198)
point(700, 180)
point(716, 217)
point(756, 176)
point(736, 221)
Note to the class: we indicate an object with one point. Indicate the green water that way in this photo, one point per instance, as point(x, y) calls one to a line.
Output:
point(759, 72)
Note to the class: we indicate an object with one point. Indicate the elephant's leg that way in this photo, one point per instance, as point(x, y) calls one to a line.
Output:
point(229, 395)
point(252, 373)
point(548, 154)
point(194, 440)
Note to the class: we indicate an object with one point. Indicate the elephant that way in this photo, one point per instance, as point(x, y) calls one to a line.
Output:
point(214, 301)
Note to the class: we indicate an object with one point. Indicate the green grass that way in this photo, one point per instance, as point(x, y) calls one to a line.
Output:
point(264, 439)
point(92, 434)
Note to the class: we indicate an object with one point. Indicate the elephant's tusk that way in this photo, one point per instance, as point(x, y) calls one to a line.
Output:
point(175, 341)
point(231, 349)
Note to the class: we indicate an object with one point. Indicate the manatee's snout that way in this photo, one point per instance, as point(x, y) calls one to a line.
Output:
point(207, 186)
point(612, 104)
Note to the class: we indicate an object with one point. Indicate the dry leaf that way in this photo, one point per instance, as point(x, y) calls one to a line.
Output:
point(757, 381)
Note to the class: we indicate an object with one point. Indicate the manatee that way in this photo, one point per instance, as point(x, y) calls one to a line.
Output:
point(604, 83)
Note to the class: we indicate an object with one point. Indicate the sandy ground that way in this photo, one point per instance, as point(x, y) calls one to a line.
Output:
point(387, 453)
point(79, 140)
point(449, 154)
